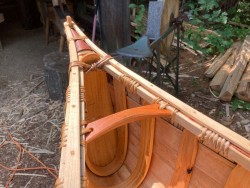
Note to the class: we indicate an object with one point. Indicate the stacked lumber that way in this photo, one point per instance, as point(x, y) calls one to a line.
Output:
point(230, 72)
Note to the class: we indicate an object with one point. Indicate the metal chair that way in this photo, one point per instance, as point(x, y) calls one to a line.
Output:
point(148, 46)
point(141, 49)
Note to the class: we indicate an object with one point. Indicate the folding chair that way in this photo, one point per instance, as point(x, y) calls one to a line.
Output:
point(141, 48)
point(144, 49)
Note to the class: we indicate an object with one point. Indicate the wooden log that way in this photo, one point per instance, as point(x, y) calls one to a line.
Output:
point(218, 63)
point(234, 77)
point(243, 90)
point(221, 76)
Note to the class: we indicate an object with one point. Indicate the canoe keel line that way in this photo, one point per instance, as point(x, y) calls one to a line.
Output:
point(122, 131)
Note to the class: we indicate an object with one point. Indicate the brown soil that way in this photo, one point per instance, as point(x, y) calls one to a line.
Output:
point(34, 120)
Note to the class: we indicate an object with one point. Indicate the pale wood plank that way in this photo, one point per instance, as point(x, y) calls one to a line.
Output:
point(239, 177)
point(72, 178)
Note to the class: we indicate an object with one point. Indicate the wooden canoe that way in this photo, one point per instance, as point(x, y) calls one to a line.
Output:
point(122, 131)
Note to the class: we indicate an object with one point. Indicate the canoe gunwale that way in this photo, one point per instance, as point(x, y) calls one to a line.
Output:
point(186, 116)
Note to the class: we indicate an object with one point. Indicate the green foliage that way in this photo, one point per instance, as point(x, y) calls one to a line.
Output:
point(237, 103)
point(240, 13)
point(209, 15)
point(138, 20)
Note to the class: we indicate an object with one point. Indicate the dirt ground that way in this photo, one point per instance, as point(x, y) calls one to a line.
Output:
point(27, 115)
point(30, 121)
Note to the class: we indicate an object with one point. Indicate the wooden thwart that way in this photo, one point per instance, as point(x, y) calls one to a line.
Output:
point(108, 123)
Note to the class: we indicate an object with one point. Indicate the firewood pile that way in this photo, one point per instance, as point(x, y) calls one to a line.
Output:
point(230, 72)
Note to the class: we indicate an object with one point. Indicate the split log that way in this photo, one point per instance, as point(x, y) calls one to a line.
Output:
point(221, 76)
point(243, 90)
point(218, 63)
point(235, 75)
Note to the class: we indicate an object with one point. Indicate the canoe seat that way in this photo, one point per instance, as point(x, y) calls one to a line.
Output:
point(111, 122)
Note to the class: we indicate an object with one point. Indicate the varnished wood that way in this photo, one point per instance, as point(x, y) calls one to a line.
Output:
point(239, 178)
point(113, 121)
point(185, 161)
point(98, 104)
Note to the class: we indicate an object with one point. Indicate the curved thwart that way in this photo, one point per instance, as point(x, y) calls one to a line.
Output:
point(108, 123)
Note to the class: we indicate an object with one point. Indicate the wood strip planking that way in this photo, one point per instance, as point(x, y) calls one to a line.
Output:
point(213, 165)
point(167, 134)
point(201, 179)
point(239, 177)
point(185, 161)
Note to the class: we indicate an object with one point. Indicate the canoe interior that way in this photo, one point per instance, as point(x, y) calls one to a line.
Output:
point(209, 169)
point(122, 131)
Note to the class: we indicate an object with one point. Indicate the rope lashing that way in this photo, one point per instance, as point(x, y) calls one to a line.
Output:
point(87, 68)
point(129, 83)
point(213, 140)
point(63, 135)
point(84, 130)
point(82, 94)
point(78, 38)
point(100, 63)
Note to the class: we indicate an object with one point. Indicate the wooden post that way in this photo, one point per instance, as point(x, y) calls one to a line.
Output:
point(114, 24)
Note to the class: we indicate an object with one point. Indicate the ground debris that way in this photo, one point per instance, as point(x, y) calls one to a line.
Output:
point(34, 121)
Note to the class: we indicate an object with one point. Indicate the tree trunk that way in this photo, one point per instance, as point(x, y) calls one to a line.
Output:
point(114, 24)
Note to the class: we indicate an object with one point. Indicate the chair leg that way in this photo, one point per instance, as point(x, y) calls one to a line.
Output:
point(158, 56)
point(150, 65)
point(139, 66)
